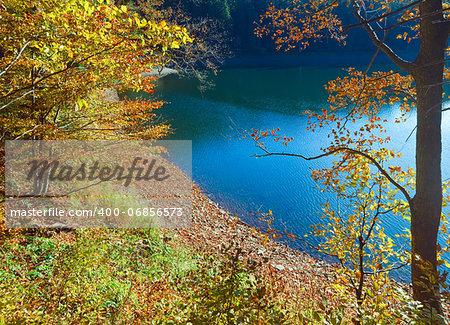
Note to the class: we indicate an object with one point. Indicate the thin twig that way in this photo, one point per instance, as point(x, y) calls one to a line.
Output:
point(16, 99)
point(14, 61)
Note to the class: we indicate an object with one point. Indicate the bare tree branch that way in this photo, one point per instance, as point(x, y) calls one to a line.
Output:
point(396, 267)
point(413, 19)
point(347, 28)
point(16, 99)
point(403, 64)
point(16, 58)
point(28, 131)
point(392, 89)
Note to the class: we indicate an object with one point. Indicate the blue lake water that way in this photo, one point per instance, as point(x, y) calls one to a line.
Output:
point(260, 98)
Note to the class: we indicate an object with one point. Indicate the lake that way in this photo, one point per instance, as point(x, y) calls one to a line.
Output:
point(265, 98)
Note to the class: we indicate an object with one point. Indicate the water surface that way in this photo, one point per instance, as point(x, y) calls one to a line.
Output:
point(243, 98)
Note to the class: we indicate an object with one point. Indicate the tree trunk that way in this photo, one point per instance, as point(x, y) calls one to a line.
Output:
point(426, 206)
point(427, 203)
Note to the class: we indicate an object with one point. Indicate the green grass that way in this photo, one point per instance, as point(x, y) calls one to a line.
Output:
point(127, 277)
point(89, 276)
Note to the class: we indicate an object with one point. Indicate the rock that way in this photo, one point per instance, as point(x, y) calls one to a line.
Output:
point(160, 72)
point(59, 225)
point(279, 267)
point(110, 96)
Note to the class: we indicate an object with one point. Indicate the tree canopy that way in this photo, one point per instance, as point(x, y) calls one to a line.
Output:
point(57, 58)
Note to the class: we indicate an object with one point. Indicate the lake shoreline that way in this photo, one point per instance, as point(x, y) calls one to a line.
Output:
point(213, 228)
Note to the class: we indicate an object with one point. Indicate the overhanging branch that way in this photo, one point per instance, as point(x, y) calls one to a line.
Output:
point(372, 160)
point(403, 64)
point(347, 28)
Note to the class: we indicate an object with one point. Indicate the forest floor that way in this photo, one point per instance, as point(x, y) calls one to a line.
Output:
point(213, 228)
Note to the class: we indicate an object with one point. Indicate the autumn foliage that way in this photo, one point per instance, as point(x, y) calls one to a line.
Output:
point(358, 137)
point(57, 58)
point(303, 22)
